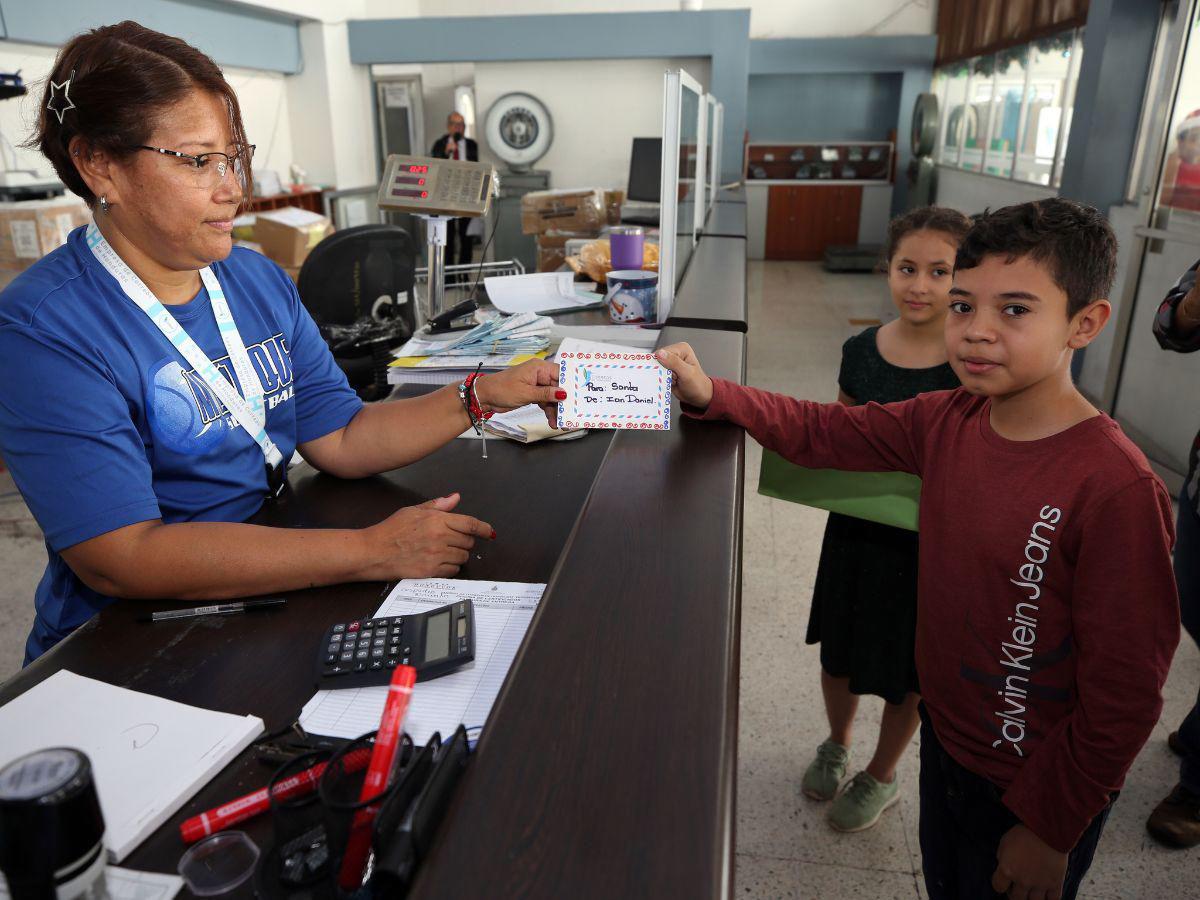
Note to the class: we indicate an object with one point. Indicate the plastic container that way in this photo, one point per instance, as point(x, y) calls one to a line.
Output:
point(219, 863)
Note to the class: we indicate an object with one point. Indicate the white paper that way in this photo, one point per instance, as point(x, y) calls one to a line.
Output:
point(148, 755)
point(470, 361)
point(65, 224)
point(293, 216)
point(534, 292)
point(395, 95)
point(575, 345)
point(127, 884)
point(503, 611)
point(632, 336)
point(25, 238)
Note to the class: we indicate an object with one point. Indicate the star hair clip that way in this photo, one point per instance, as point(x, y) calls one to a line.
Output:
point(60, 103)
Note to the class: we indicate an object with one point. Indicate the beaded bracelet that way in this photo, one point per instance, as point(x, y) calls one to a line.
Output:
point(469, 398)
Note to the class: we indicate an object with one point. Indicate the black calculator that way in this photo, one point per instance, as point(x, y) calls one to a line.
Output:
point(364, 653)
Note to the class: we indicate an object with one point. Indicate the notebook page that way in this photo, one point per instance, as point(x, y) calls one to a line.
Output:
point(148, 755)
point(503, 611)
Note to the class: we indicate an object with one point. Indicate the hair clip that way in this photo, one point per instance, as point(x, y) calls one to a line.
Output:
point(64, 101)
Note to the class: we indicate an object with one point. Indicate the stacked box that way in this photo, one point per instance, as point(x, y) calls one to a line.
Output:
point(32, 228)
point(552, 247)
point(288, 235)
point(578, 210)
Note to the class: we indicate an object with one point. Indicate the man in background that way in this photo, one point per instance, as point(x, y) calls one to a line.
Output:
point(456, 145)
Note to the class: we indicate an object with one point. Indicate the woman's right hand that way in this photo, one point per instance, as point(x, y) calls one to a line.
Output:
point(423, 541)
point(691, 385)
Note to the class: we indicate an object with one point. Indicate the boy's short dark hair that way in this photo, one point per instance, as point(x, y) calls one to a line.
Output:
point(1074, 241)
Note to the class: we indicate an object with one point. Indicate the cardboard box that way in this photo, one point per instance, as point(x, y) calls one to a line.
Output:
point(564, 210)
point(552, 247)
point(32, 228)
point(287, 235)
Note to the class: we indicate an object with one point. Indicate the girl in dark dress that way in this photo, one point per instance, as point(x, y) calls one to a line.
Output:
point(864, 605)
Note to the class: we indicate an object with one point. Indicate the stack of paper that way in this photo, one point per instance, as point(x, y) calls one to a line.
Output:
point(494, 345)
point(539, 292)
point(148, 755)
point(503, 611)
point(523, 333)
point(526, 424)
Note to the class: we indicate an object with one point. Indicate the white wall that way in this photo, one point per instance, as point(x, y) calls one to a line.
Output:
point(333, 127)
point(18, 117)
point(598, 107)
point(261, 95)
point(265, 113)
point(970, 193)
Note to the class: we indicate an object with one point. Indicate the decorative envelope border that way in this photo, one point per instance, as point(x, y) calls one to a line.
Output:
point(657, 420)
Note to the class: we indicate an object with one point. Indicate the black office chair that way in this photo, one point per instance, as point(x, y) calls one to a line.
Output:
point(358, 286)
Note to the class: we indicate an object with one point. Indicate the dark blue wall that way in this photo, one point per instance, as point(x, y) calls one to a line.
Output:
point(826, 107)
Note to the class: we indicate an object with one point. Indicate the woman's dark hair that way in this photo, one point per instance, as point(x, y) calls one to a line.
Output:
point(925, 218)
point(1074, 241)
point(122, 77)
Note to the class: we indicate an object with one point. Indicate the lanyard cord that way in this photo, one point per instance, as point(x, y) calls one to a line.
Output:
point(249, 412)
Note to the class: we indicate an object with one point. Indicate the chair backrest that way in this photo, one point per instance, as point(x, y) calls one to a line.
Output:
point(351, 271)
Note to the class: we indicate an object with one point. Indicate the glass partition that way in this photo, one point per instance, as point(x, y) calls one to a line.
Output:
point(682, 182)
point(712, 152)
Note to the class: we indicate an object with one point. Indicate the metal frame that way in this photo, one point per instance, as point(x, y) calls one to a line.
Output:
point(1173, 34)
point(416, 108)
point(674, 81)
point(700, 208)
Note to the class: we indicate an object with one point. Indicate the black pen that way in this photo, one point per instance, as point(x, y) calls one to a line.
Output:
point(219, 609)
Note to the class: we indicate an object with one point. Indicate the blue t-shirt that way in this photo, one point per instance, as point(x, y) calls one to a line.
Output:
point(104, 424)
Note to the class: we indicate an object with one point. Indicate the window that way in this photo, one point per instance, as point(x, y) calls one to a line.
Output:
point(1008, 114)
point(954, 83)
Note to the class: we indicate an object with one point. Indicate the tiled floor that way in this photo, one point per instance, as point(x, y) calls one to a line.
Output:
point(799, 318)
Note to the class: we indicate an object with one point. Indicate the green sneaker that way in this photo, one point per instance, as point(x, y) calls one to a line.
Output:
point(861, 804)
point(826, 772)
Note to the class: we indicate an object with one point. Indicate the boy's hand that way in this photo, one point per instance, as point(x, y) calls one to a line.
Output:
point(690, 385)
point(1027, 868)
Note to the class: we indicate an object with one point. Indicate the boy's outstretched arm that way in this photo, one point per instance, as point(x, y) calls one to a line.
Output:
point(867, 438)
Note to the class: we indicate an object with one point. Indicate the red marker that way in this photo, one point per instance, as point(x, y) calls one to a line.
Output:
point(383, 764)
point(252, 804)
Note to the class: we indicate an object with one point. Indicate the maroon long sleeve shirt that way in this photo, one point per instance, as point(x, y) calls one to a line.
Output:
point(1047, 611)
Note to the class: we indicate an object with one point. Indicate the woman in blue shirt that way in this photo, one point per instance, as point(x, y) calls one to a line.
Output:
point(118, 350)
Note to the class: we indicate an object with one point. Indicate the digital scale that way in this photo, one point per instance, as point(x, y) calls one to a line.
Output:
point(365, 652)
point(437, 190)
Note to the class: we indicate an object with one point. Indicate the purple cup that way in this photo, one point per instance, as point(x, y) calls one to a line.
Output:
point(626, 243)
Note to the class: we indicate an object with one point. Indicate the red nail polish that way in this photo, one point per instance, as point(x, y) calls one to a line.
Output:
point(560, 395)
point(493, 534)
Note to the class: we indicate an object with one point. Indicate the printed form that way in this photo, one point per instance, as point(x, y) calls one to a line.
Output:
point(503, 611)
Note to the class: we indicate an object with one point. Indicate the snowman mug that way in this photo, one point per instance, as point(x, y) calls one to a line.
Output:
point(632, 296)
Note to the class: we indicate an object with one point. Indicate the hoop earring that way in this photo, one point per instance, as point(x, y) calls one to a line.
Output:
point(104, 206)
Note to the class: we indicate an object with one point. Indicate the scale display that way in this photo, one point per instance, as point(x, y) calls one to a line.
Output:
point(436, 187)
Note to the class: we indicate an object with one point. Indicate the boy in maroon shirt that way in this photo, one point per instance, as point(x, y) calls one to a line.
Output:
point(1047, 612)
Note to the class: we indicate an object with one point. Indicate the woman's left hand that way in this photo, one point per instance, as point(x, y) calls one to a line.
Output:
point(535, 381)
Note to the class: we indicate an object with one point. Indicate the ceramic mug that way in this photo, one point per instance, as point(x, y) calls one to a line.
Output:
point(632, 296)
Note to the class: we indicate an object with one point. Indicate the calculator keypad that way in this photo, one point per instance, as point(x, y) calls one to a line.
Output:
point(367, 645)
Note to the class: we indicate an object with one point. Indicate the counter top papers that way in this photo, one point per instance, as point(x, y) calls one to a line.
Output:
point(503, 611)
point(538, 292)
point(149, 755)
